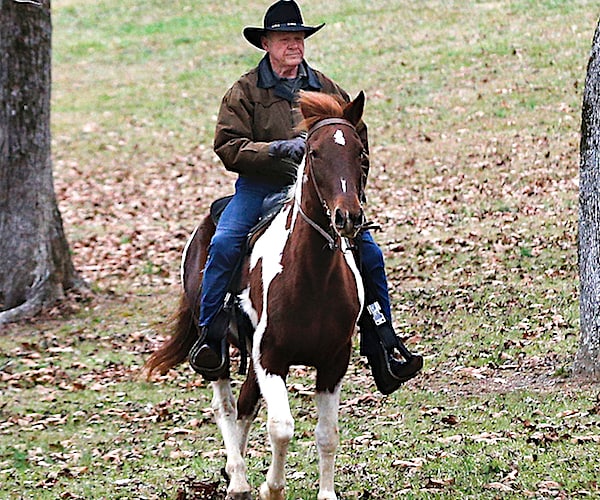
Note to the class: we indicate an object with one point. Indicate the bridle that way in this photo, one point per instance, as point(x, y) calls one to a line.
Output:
point(330, 234)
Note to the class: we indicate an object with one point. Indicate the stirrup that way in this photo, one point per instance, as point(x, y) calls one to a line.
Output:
point(389, 373)
point(201, 352)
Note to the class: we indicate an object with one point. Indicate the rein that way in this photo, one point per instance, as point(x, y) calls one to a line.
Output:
point(331, 243)
point(331, 240)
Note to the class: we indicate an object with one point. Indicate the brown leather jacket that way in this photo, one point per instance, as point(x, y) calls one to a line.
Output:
point(256, 111)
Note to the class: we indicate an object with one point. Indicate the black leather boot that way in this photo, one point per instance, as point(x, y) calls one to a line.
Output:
point(209, 356)
point(391, 362)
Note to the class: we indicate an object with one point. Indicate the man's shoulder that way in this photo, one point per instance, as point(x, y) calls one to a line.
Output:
point(251, 75)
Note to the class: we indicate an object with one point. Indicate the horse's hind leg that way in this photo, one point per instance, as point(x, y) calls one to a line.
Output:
point(234, 435)
point(327, 437)
point(280, 426)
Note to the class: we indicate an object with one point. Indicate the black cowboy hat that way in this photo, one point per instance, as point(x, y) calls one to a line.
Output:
point(283, 15)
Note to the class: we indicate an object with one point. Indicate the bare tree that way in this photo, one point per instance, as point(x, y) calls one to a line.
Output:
point(587, 360)
point(35, 264)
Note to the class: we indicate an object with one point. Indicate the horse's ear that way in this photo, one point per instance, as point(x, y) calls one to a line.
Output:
point(353, 111)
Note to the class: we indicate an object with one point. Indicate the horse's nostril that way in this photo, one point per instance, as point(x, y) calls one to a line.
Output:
point(340, 218)
point(358, 219)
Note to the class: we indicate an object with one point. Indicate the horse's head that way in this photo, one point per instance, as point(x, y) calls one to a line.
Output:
point(334, 155)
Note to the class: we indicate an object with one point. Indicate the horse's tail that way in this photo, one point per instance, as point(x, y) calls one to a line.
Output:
point(184, 330)
point(174, 350)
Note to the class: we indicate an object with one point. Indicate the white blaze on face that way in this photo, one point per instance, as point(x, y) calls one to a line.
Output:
point(339, 138)
point(344, 185)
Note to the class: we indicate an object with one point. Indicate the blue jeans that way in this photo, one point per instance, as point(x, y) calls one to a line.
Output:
point(227, 244)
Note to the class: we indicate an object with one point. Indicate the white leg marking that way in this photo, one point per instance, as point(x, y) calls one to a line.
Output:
point(235, 435)
point(327, 437)
point(244, 430)
point(280, 426)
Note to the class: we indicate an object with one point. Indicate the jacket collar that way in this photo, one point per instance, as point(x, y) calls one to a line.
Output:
point(267, 79)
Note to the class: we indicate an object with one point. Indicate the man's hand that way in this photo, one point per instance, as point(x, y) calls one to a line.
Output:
point(292, 149)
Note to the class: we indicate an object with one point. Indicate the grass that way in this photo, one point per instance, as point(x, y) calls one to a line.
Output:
point(473, 112)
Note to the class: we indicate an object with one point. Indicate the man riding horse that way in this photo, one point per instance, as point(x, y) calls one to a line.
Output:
point(255, 137)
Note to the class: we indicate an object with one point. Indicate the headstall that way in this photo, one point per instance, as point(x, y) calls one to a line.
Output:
point(331, 240)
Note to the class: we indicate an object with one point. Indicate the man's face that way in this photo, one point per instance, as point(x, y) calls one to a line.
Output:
point(285, 48)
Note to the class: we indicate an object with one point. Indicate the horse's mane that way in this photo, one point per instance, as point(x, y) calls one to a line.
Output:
point(317, 106)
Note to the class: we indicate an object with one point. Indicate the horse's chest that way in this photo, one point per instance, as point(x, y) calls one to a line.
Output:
point(288, 275)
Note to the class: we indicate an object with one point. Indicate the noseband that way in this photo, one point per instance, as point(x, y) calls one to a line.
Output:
point(327, 234)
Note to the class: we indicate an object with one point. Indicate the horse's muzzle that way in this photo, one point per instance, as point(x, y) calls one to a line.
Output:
point(347, 223)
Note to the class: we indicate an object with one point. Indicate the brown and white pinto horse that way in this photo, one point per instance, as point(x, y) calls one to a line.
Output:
point(302, 292)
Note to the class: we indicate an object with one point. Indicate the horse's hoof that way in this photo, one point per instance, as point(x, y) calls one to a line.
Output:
point(327, 496)
point(267, 493)
point(245, 495)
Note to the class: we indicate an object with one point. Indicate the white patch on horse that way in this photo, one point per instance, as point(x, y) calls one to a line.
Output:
point(280, 423)
point(268, 249)
point(344, 185)
point(339, 138)
point(184, 256)
point(351, 261)
point(301, 179)
point(247, 307)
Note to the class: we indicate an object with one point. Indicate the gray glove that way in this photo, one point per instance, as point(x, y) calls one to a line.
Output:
point(292, 149)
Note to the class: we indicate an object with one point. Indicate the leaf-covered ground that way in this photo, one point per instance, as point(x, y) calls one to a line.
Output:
point(473, 112)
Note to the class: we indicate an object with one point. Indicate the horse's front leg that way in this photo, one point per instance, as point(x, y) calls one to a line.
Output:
point(234, 434)
point(327, 437)
point(280, 426)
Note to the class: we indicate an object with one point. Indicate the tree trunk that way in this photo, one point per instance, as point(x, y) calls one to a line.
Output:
point(35, 264)
point(587, 360)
